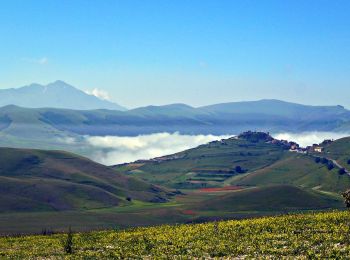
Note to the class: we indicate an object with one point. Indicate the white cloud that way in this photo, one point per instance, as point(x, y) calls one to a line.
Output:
point(67, 140)
point(309, 138)
point(111, 150)
point(102, 94)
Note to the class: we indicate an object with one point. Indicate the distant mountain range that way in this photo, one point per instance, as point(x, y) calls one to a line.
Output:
point(36, 119)
point(54, 95)
point(231, 118)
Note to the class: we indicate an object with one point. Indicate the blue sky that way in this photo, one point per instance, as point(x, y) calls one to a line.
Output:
point(195, 52)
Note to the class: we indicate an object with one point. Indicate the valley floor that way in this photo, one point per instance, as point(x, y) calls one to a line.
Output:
point(301, 236)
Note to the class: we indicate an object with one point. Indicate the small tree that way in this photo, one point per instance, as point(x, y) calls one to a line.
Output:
point(68, 243)
point(330, 166)
point(346, 196)
point(324, 160)
point(239, 169)
point(317, 159)
point(342, 171)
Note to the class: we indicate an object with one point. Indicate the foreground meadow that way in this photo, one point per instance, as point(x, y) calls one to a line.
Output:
point(314, 235)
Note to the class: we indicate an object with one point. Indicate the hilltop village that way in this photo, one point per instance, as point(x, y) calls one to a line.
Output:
point(290, 145)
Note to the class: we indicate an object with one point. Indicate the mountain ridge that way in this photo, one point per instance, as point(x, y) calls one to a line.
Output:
point(46, 123)
point(57, 94)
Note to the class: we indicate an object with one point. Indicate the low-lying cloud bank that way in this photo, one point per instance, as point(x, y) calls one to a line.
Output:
point(309, 138)
point(111, 150)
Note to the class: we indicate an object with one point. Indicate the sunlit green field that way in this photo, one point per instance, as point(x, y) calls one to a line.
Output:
point(319, 235)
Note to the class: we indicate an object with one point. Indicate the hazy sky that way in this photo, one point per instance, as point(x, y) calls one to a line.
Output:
point(196, 52)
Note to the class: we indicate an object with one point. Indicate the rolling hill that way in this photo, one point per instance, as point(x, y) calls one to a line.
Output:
point(208, 165)
point(299, 170)
point(37, 180)
point(338, 150)
point(269, 198)
point(250, 173)
point(246, 161)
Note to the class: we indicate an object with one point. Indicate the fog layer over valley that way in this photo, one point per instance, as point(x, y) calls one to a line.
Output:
point(309, 138)
point(110, 150)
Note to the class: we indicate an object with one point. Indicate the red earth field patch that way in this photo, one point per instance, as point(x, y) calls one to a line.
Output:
point(189, 212)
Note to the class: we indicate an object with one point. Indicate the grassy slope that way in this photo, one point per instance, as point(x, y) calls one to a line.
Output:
point(207, 165)
point(339, 150)
point(304, 236)
point(276, 180)
point(269, 198)
point(299, 170)
point(265, 164)
point(193, 207)
point(32, 180)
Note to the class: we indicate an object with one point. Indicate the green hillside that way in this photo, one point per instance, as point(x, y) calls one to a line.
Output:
point(209, 165)
point(299, 170)
point(270, 178)
point(269, 198)
point(261, 162)
point(36, 180)
point(303, 236)
point(338, 150)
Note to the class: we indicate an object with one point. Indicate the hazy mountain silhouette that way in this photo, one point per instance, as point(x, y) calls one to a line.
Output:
point(54, 95)
point(231, 118)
